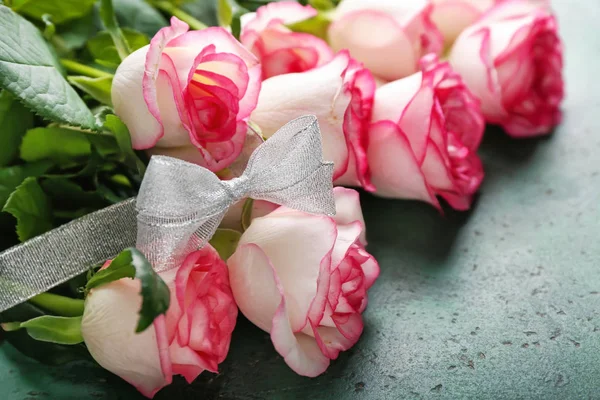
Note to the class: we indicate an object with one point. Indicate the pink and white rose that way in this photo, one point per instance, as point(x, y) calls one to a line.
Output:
point(388, 36)
point(193, 336)
point(340, 93)
point(304, 278)
point(511, 59)
point(424, 137)
point(189, 90)
point(279, 49)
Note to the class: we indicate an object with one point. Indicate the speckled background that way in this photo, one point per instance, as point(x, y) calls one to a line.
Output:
point(501, 302)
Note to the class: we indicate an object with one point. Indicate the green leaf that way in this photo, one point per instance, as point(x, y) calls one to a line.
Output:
point(12, 177)
point(29, 70)
point(44, 352)
point(229, 13)
point(225, 241)
point(66, 195)
point(247, 213)
point(50, 28)
point(50, 328)
point(75, 34)
point(103, 48)
point(109, 19)
point(224, 12)
point(155, 293)
point(15, 119)
point(139, 15)
point(253, 5)
point(60, 11)
point(121, 133)
point(59, 305)
point(322, 4)
point(98, 88)
point(63, 146)
point(56, 144)
point(205, 11)
point(121, 267)
point(135, 39)
point(10, 326)
point(316, 26)
point(31, 207)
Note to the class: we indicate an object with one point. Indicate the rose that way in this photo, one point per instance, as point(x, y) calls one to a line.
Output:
point(193, 337)
point(512, 60)
point(452, 16)
point(425, 133)
point(340, 94)
point(388, 36)
point(304, 278)
point(279, 49)
point(192, 90)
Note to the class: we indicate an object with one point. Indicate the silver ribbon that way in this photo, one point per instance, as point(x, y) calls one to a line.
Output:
point(178, 209)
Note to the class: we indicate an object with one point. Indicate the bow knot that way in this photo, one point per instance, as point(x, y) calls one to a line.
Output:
point(237, 188)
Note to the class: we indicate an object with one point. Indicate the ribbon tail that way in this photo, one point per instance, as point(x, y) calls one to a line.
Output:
point(166, 244)
point(48, 260)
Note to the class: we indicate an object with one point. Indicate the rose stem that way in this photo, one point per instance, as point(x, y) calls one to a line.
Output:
point(73, 66)
point(173, 10)
point(64, 306)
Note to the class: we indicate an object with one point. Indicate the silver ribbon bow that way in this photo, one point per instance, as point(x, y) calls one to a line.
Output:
point(179, 207)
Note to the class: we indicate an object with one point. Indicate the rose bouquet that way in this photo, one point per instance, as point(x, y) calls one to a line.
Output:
point(165, 165)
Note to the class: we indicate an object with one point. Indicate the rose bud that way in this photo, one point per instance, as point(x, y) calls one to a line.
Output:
point(191, 90)
point(193, 336)
point(279, 49)
point(388, 36)
point(424, 137)
point(304, 278)
point(340, 94)
point(511, 59)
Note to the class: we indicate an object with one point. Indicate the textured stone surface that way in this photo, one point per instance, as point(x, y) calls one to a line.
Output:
point(500, 302)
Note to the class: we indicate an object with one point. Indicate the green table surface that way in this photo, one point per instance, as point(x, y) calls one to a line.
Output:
point(500, 302)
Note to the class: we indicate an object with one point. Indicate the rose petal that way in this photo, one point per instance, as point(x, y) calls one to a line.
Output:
point(283, 12)
point(297, 265)
point(111, 311)
point(265, 295)
point(300, 351)
point(395, 170)
point(129, 104)
point(360, 84)
point(370, 267)
point(452, 16)
point(391, 98)
point(224, 42)
point(348, 209)
point(348, 234)
point(214, 156)
point(435, 168)
point(153, 61)
point(318, 92)
point(377, 40)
